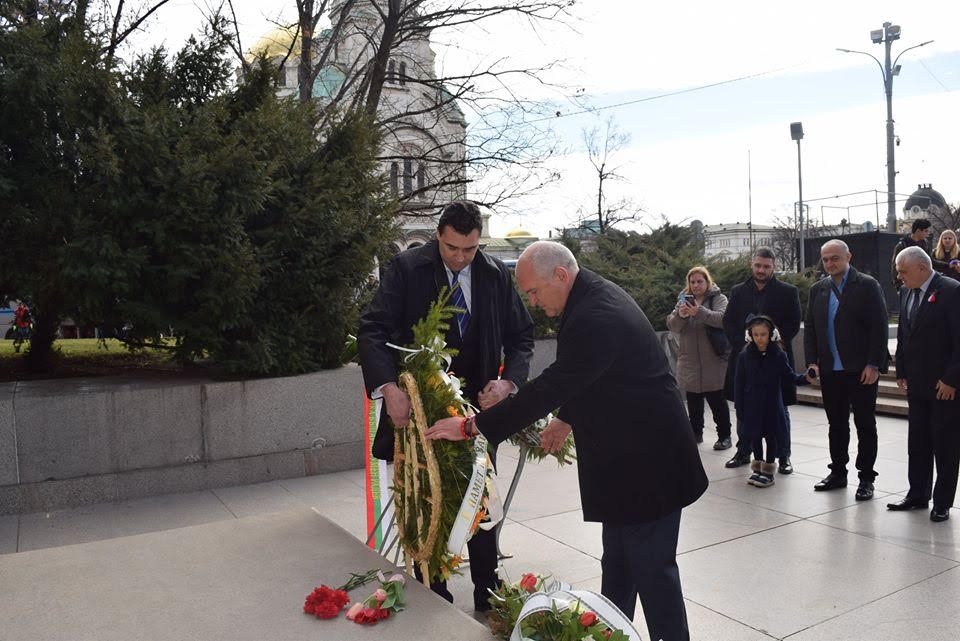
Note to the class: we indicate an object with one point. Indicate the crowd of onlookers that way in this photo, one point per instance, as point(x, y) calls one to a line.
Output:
point(740, 349)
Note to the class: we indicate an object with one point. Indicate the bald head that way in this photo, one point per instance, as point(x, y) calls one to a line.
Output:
point(836, 258)
point(544, 255)
point(546, 272)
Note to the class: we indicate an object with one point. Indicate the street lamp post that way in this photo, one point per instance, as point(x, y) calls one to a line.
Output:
point(887, 35)
point(796, 133)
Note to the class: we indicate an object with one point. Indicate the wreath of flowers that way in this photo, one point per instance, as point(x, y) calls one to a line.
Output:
point(529, 437)
point(573, 621)
point(428, 500)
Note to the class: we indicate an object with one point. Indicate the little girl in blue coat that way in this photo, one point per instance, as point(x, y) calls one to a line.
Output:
point(762, 368)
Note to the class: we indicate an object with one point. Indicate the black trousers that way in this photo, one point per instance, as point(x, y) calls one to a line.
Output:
point(719, 407)
point(933, 436)
point(842, 391)
point(641, 560)
point(482, 550)
point(771, 442)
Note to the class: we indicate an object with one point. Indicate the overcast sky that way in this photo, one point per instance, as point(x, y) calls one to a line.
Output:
point(687, 157)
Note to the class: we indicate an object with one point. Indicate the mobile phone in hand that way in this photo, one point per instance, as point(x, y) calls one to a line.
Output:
point(689, 299)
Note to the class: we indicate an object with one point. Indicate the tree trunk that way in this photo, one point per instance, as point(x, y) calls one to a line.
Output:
point(39, 359)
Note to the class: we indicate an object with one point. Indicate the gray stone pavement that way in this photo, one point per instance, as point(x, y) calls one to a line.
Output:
point(776, 563)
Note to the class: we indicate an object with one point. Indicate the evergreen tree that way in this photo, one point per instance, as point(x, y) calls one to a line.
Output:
point(165, 197)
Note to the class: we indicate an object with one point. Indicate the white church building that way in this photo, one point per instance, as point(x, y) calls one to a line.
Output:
point(423, 152)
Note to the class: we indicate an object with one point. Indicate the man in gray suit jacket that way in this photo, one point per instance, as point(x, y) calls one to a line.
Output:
point(637, 459)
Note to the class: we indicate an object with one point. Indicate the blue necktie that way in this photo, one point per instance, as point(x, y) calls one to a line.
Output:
point(463, 319)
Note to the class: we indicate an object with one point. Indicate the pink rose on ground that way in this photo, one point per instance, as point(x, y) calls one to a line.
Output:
point(354, 610)
point(398, 578)
point(380, 595)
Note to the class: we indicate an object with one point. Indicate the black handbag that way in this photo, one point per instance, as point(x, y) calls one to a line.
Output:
point(717, 337)
point(718, 341)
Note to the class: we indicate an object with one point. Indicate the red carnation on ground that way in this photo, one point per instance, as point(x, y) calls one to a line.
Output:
point(325, 602)
point(369, 616)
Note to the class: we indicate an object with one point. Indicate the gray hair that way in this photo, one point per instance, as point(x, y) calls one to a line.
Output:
point(914, 255)
point(546, 255)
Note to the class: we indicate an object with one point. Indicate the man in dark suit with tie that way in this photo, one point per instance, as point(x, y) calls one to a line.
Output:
point(928, 367)
point(637, 459)
point(496, 324)
point(845, 342)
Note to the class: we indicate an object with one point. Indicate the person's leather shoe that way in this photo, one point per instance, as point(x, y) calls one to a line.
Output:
point(831, 483)
point(738, 460)
point(939, 514)
point(786, 467)
point(865, 491)
point(723, 444)
point(698, 436)
point(907, 504)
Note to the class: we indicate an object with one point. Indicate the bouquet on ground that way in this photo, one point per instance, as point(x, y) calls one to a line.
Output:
point(532, 610)
point(326, 602)
point(443, 490)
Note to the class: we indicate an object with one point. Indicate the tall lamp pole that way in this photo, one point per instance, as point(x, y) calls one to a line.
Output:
point(796, 133)
point(887, 35)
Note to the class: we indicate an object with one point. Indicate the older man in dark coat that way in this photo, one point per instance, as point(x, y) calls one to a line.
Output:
point(496, 324)
point(928, 368)
point(637, 458)
point(763, 294)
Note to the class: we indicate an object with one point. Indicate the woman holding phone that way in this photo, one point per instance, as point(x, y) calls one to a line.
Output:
point(700, 369)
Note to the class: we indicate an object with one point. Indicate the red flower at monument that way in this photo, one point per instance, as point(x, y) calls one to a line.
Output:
point(325, 602)
point(587, 619)
point(369, 615)
point(933, 297)
point(529, 582)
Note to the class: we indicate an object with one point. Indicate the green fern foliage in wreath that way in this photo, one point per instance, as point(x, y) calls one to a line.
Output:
point(529, 438)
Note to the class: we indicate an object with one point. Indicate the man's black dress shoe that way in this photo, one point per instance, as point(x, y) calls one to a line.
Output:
point(831, 483)
point(785, 466)
point(865, 491)
point(939, 514)
point(738, 460)
point(907, 504)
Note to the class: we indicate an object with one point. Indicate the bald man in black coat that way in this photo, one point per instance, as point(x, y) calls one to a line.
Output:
point(637, 459)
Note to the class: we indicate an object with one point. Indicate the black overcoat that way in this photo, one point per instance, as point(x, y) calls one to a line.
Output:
point(778, 300)
point(636, 455)
point(410, 285)
point(860, 326)
point(758, 390)
point(928, 349)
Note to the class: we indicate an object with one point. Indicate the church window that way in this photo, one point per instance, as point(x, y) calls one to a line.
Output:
point(394, 176)
point(391, 71)
point(407, 176)
point(403, 73)
point(421, 177)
